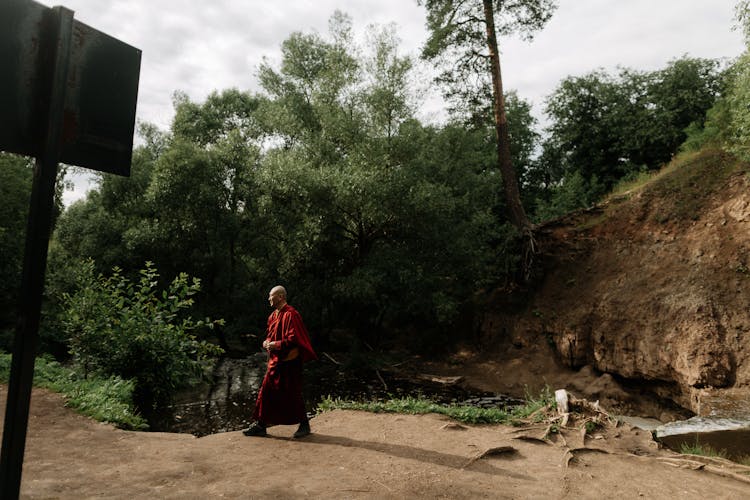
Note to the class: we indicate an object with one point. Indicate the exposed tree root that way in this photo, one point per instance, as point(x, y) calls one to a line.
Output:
point(571, 454)
point(497, 450)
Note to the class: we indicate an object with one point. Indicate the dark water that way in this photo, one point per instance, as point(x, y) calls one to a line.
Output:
point(227, 401)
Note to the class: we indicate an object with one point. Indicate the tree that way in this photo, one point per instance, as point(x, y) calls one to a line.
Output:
point(732, 115)
point(679, 95)
point(742, 15)
point(325, 182)
point(15, 189)
point(466, 33)
point(609, 126)
point(16, 173)
point(359, 194)
point(587, 125)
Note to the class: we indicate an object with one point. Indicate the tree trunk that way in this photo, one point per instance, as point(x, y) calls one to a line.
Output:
point(505, 163)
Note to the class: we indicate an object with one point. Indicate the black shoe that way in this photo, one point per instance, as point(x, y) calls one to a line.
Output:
point(255, 429)
point(303, 430)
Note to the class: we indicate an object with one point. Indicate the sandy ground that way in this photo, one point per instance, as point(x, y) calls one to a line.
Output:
point(357, 455)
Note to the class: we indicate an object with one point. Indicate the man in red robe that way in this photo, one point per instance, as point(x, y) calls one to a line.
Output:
point(288, 344)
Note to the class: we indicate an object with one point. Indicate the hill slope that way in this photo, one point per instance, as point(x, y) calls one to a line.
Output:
point(652, 286)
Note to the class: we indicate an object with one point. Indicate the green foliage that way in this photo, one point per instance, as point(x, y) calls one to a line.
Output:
point(742, 15)
point(573, 193)
point(362, 194)
point(458, 40)
point(463, 41)
point(15, 189)
point(131, 330)
point(703, 450)
point(611, 126)
point(326, 183)
point(715, 131)
point(379, 225)
point(534, 403)
point(419, 405)
point(736, 102)
point(105, 399)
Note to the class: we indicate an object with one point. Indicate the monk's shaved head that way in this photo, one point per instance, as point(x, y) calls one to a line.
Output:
point(279, 291)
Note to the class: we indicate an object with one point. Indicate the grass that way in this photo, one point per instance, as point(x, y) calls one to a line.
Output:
point(104, 399)
point(688, 182)
point(703, 450)
point(631, 183)
point(682, 188)
point(462, 413)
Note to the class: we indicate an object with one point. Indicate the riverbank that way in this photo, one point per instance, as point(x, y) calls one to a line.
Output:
point(356, 455)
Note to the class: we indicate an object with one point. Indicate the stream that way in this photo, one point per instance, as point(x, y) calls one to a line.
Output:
point(225, 403)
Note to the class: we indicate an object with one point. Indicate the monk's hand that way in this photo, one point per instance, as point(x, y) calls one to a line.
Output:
point(269, 345)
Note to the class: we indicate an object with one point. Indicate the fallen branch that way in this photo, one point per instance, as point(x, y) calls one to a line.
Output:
point(331, 358)
point(381, 379)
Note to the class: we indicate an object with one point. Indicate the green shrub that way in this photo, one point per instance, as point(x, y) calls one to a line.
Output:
point(118, 327)
point(105, 399)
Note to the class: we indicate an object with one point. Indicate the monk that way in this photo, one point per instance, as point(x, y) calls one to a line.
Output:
point(288, 345)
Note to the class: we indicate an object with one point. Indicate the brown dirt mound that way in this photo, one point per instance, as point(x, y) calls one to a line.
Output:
point(652, 286)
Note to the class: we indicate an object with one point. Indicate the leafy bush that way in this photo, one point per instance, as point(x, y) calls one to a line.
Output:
point(104, 399)
point(573, 193)
point(118, 327)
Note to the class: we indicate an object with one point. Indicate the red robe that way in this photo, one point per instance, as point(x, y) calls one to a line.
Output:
point(280, 397)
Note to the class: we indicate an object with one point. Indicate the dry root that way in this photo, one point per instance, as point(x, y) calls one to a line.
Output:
point(497, 450)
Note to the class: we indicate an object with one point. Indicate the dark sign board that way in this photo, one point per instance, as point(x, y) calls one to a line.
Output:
point(100, 95)
point(67, 94)
point(21, 24)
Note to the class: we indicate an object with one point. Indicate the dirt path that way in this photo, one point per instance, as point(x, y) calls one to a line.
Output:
point(350, 455)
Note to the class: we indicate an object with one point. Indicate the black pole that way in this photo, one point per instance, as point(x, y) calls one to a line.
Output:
point(57, 52)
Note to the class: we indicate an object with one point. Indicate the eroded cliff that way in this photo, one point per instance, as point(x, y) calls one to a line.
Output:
point(652, 285)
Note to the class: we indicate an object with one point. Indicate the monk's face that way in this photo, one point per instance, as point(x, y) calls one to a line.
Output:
point(274, 299)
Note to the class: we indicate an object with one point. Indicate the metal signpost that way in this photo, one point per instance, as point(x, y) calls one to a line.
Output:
point(67, 94)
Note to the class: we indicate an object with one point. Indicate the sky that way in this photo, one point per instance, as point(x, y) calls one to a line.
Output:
point(200, 46)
